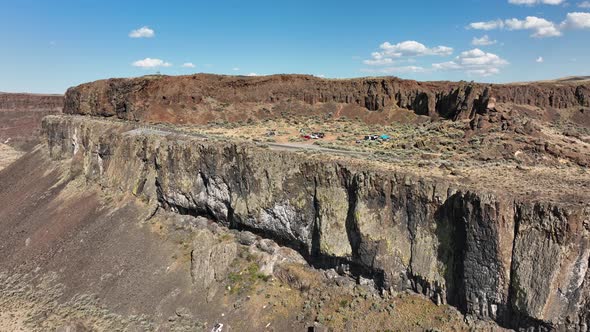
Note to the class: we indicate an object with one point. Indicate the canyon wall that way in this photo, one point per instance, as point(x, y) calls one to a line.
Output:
point(21, 114)
point(152, 97)
point(26, 101)
point(491, 254)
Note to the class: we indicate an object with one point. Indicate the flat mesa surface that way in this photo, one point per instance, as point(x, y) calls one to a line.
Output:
point(503, 163)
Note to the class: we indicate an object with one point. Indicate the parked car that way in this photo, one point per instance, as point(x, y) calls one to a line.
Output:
point(371, 137)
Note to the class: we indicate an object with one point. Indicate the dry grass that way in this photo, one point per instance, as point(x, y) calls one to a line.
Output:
point(8, 155)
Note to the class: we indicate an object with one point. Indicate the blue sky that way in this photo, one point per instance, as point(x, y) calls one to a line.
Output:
point(48, 46)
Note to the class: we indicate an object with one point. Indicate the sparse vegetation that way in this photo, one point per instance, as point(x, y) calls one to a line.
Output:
point(245, 280)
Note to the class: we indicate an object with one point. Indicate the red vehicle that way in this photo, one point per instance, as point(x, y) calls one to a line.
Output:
point(306, 136)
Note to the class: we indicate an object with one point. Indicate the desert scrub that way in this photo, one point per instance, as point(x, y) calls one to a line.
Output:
point(245, 281)
point(226, 238)
point(296, 139)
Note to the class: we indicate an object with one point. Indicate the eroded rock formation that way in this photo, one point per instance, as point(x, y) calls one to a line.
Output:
point(494, 255)
point(26, 101)
point(21, 114)
point(162, 98)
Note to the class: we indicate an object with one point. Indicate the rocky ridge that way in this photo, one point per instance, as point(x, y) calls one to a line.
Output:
point(187, 99)
point(493, 255)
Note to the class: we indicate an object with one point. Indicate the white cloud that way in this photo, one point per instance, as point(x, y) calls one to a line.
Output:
point(188, 65)
point(143, 32)
point(483, 41)
point(584, 4)
point(540, 60)
point(235, 69)
point(577, 21)
point(411, 48)
point(541, 27)
point(380, 61)
point(151, 63)
point(489, 25)
point(475, 62)
point(536, 2)
point(389, 53)
point(396, 70)
point(252, 74)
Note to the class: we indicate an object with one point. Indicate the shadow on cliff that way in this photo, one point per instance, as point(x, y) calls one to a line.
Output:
point(451, 232)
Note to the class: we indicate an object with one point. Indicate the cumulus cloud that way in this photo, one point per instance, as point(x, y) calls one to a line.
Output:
point(143, 32)
point(151, 63)
point(235, 69)
point(584, 4)
point(577, 21)
point(379, 60)
point(483, 41)
point(252, 74)
point(396, 70)
point(488, 25)
point(389, 53)
point(540, 60)
point(188, 65)
point(411, 48)
point(536, 2)
point(541, 27)
point(475, 62)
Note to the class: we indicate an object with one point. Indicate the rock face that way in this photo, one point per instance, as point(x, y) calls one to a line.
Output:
point(493, 255)
point(24, 101)
point(21, 114)
point(162, 98)
point(210, 260)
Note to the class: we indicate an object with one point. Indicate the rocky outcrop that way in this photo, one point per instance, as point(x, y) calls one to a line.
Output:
point(163, 98)
point(210, 260)
point(492, 254)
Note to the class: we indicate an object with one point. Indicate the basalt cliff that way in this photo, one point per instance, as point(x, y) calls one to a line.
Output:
point(494, 255)
point(130, 215)
point(194, 99)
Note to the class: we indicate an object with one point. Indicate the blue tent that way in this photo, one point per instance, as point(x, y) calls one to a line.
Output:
point(385, 137)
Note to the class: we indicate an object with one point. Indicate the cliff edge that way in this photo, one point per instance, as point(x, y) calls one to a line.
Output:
point(202, 98)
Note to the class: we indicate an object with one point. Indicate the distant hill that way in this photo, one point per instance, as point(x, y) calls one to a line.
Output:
point(573, 79)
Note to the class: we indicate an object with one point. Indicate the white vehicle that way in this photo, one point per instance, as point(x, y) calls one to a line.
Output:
point(217, 328)
point(371, 137)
